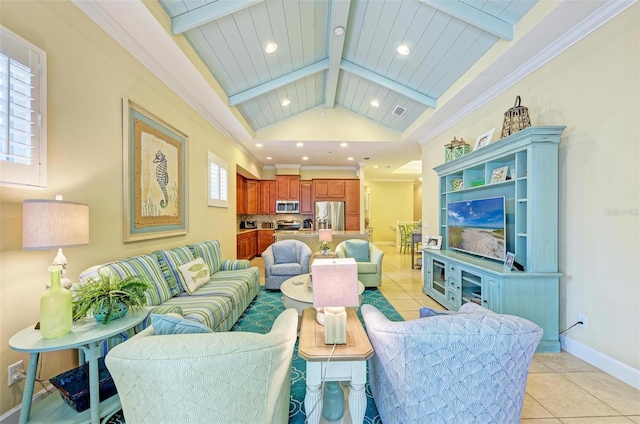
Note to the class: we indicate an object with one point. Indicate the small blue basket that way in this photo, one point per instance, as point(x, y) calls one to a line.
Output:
point(74, 385)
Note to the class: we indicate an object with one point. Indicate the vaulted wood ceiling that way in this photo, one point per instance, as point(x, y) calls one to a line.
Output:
point(339, 52)
point(462, 54)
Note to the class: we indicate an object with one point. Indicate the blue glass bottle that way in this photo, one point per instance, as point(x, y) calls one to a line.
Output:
point(332, 401)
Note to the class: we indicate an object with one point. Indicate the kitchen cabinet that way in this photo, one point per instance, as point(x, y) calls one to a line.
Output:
point(247, 245)
point(252, 197)
point(241, 194)
point(306, 200)
point(287, 187)
point(352, 205)
point(265, 239)
point(329, 189)
point(267, 197)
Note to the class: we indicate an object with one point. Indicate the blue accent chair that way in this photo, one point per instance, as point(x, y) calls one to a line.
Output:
point(465, 367)
point(283, 260)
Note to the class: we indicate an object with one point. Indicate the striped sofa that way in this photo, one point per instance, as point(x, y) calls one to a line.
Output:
point(217, 304)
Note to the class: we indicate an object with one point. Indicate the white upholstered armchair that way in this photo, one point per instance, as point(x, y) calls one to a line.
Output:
point(206, 378)
point(468, 367)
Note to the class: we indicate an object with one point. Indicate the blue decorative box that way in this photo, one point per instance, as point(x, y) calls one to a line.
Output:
point(74, 385)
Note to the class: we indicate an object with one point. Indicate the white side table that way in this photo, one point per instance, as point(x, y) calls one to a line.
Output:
point(348, 363)
point(86, 336)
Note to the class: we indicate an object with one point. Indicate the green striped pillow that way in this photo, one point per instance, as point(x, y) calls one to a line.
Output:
point(210, 252)
point(145, 266)
point(170, 261)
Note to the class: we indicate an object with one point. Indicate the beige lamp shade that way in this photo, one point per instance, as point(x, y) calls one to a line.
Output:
point(335, 282)
point(52, 224)
point(325, 235)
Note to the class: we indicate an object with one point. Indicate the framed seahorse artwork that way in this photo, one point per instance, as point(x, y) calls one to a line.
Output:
point(155, 179)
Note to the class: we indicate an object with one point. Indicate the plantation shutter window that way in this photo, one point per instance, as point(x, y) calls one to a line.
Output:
point(23, 153)
point(218, 182)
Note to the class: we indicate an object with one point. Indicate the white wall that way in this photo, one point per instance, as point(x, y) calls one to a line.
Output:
point(594, 89)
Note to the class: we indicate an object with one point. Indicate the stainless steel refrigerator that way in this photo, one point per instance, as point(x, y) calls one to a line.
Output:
point(329, 215)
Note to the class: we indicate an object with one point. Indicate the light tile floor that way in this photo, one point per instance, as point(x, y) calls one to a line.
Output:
point(561, 388)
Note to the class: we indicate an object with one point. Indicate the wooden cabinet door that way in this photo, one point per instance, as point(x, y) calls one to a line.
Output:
point(252, 197)
point(265, 239)
point(336, 189)
point(252, 248)
point(241, 248)
point(263, 197)
point(272, 197)
point(352, 222)
point(321, 189)
point(287, 187)
point(352, 198)
point(306, 203)
point(294, 187)
point(241, 194)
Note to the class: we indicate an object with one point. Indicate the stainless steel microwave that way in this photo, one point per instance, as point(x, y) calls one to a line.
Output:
point(287, 206)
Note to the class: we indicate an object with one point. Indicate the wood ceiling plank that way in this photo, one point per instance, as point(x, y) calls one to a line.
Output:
point(301, 93)
point(294, 33)
point(308, 32)
point(475, 17)
point(384, 28)
point(253, 44)
point(277, 19)
point(368, 31)
point(263, 29)
point(274, 102)
point(221, 57)
point(232, 36)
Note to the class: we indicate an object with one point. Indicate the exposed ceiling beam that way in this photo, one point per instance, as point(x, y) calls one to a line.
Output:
point(473, 16)
point(340, 17)
point(208, 13)
point(387, 83)
point(278, 82)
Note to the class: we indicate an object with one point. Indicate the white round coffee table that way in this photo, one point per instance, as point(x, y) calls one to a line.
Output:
point(297, 293)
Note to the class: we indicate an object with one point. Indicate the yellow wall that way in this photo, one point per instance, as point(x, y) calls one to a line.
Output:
point(593, 88)
point(390, 202)
point(88, 75)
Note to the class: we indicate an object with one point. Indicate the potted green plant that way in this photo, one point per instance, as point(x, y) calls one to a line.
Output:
point(325, 247)
point(109, 297)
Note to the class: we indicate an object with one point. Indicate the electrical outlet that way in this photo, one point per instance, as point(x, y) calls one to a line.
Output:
point(583, 318)
point(16, 373)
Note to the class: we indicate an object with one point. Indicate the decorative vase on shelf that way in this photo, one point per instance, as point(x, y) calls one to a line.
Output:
point(55, 308)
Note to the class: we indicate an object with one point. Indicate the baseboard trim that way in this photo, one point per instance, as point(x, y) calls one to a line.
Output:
point(611, 366)
point(13, 414)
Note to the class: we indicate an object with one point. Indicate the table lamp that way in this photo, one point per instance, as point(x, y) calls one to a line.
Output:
point(54, 224)
point(325, 241)
point(335, 286)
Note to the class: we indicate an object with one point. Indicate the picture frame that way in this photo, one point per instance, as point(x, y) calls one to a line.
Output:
point(509, 259)
point(484, 139)
point(433, 242)
point(155, 176)
point(499, 175)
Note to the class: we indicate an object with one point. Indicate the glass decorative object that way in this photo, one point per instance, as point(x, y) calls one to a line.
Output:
point(332, 401)
point(55, 307)
point(455, 149)
point(515, 119)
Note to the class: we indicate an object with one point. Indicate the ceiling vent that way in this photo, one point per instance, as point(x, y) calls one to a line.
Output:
point(399, 110)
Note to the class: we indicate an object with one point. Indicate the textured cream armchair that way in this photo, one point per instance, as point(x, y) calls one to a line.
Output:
point(231, 377)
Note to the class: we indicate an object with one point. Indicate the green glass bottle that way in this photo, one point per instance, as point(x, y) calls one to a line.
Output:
point(55, 308)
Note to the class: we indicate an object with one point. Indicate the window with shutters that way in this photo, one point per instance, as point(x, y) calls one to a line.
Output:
point(23, 100)
point(218, 182)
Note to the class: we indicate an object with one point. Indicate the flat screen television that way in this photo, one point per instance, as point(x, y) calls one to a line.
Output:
point(478, 227)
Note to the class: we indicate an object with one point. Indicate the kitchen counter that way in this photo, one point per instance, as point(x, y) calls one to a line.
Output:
point(310, 238)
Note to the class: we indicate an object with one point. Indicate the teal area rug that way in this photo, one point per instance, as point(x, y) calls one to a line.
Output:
point(259, 317)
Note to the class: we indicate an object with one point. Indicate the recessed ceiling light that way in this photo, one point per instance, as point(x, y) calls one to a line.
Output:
point(375, 103)
point(286, 102)
point(299, 144)
point(343, 144)
point(258, 145)
point(269, 158)
point(403, 49)
point(375, 166)
point(349, 158)
point(305, 158)
point(271, 47)
point(338, 30)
